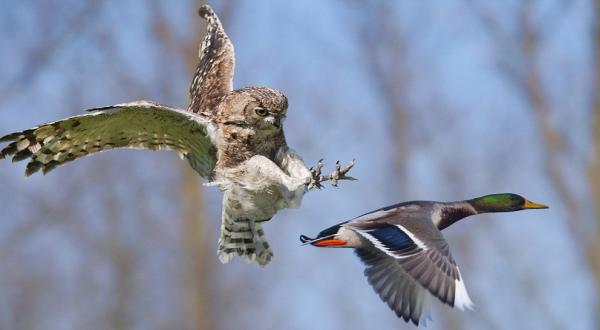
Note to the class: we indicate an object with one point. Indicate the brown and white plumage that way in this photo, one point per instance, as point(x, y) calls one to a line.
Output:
point(141, 124)
point(233, 138)
point(216, 61)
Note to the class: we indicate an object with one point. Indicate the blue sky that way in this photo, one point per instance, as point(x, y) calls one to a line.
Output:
point(471, 134)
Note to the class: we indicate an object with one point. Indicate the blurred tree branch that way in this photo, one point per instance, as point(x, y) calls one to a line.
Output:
point(518, 59)
point(47, 48)
point(115, 245)
point(385, 51)
point(198, 242)
point(594, 166)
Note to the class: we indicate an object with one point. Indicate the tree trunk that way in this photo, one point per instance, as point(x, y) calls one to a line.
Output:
point(198, 247)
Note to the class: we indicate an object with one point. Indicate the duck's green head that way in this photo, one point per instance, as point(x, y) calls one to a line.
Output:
point(503, 203)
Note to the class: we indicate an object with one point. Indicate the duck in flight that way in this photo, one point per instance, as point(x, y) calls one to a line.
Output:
point(406, 256)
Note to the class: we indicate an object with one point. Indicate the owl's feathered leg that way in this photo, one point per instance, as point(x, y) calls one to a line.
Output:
point(245, 238)
point(338, 174)
point(260, 173)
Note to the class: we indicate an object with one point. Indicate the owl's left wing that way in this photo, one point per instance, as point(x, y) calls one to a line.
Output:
point(216, 61)
point(141, 125)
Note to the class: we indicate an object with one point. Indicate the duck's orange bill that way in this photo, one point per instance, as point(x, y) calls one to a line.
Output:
point(330, 242)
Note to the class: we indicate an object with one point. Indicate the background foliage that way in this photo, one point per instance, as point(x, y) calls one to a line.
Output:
point(439, 100)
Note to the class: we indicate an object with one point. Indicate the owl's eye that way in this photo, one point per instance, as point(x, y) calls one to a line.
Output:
point(261, 111)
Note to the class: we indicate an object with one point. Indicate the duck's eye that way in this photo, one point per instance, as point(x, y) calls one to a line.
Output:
point(261, 111)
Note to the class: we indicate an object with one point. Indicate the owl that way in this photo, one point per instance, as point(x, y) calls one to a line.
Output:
point(233, 138)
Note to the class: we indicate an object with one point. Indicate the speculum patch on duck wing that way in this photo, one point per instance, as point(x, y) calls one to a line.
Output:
point(430, 267)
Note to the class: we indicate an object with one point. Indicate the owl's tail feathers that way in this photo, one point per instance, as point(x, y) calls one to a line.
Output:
point(244, 238)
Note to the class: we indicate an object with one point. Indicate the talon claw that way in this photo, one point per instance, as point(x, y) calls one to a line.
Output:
point(339, 173)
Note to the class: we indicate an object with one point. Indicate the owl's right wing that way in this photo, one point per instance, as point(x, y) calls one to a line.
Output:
point(140, 125)
point(214, 74)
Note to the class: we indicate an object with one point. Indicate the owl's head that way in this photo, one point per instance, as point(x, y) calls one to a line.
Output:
point(259, 107)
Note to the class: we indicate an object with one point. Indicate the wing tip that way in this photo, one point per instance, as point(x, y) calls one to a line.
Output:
point(22, 155)
point(10, 137)
point(33, 167)
point(462, 300)
point(9, 150)
point(205, 11)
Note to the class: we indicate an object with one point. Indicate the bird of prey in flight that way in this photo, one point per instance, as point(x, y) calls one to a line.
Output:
point(233, 138)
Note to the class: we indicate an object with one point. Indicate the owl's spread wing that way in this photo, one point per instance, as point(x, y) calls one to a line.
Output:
point(141, 124)
point(214, 73)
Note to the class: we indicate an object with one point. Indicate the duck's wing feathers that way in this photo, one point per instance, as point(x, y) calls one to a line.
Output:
point(140, 124)
point(400, 259)
point(401, 292)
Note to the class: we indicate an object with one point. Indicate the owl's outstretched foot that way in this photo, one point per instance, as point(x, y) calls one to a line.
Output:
point(338, 174)
point(316, 177)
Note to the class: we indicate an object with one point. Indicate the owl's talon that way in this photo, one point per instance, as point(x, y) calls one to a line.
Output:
point(338, 174)
point(315, 176)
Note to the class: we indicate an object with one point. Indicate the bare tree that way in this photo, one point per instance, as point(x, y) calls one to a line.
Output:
point(519, 62)
point(592, 243)
point(386, 53)
point(114, 249)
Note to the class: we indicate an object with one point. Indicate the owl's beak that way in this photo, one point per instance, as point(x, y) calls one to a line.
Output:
point(278, 122)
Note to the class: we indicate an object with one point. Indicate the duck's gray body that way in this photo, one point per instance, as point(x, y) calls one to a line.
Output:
point(407, 258)
point(406, 255)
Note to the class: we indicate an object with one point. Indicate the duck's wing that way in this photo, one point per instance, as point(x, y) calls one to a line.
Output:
point(399, 259)
point(405, 296)
point(141, 124)
point(216, 62)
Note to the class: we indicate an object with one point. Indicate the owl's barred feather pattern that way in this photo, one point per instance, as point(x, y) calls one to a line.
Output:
point(233, 138)
point(142, 124)
point(243, 237)
point(216, 61)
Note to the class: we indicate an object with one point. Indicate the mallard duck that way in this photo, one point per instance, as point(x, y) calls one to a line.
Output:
point(406, 256)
